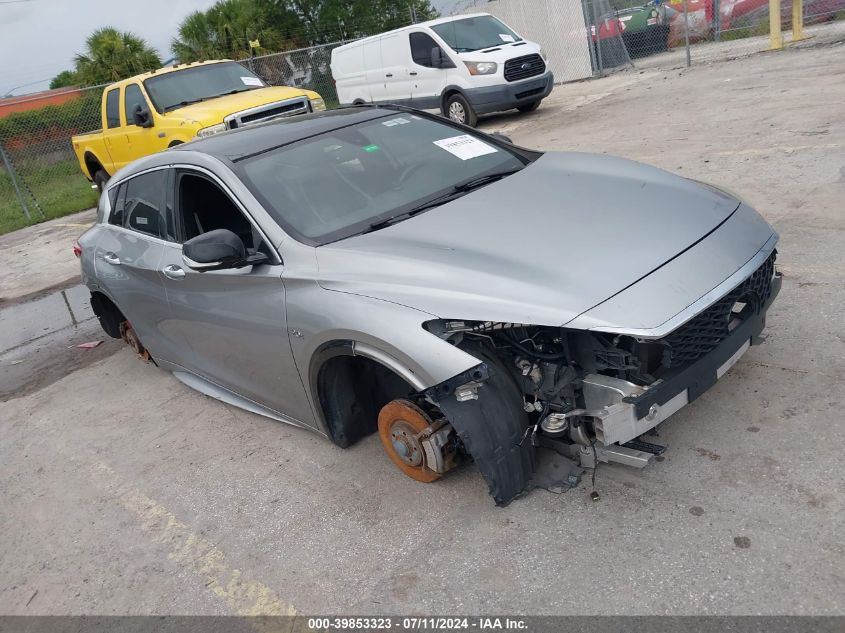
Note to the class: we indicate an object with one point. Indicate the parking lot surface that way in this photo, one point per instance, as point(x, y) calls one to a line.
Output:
point(123, 491)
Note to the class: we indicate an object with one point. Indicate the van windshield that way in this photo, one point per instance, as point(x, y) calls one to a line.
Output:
point(473, 34)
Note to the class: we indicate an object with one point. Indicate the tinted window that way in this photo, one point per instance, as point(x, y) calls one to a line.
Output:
point(204, 207)
point(179, 88)
point(113, 108)
point(143, 207)
point(117, 196)
point(472, 34)
point(421, 45)
point(133, 98)
point(335, 185)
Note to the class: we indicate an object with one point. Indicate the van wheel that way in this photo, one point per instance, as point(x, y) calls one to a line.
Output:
point(101, 178)
point(529, 107)
point(459, 110)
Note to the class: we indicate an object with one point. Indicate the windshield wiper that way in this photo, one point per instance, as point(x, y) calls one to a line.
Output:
point(480, 181)
point(457, 191)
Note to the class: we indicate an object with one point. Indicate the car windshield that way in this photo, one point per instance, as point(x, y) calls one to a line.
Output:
point(473, 34)
point(361, 177)
point(173, 90)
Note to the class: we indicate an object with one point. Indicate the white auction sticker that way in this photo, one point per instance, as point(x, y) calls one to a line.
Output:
point(251, 81)
point(506, 38)
point(465, 146)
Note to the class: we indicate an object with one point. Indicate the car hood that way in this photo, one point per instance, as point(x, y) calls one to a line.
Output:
point(213, 111)
point(540, 247)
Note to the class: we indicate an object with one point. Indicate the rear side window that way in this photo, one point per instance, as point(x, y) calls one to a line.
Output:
point(113, 108)
point(117, 197)
point(143, 203)
point(421, 45)
point(132, 99)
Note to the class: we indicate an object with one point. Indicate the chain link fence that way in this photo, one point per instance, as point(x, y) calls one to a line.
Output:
point(40, 177)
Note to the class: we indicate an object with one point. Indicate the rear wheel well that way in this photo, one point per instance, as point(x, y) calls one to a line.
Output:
point(108, 314)
point(351, 392)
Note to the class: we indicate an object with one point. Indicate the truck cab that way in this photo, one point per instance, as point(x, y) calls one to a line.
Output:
point(163, 108)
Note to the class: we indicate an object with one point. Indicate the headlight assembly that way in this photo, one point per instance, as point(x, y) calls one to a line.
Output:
point(211, 130)
point(318, 105)
point(482, 68)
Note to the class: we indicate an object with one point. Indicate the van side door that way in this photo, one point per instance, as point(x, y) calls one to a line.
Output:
point(396, 66)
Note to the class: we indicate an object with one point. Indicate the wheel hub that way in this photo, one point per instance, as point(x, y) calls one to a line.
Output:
point(457, 112)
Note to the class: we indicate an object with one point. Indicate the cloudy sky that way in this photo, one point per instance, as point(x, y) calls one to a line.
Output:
point(38, 38)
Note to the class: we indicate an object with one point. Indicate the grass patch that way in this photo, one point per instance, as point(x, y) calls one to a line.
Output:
point(60, 190)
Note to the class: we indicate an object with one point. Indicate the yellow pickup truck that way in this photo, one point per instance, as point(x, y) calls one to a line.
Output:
point(159, 109)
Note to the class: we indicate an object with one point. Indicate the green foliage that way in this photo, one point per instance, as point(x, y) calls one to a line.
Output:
point(324, 21)
point(64, 79)
point(225, 30)
point(112, 55)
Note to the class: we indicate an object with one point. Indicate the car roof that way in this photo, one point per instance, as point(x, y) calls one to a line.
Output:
point(255, 139)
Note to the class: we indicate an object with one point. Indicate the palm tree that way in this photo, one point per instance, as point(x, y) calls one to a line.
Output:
point(112, 55)
point(225, 30)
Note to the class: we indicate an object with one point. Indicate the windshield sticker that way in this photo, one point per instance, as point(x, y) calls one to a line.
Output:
point(371, 148)
point(397, 121)
point(506, 38)
point(465, 146)
point(251, 81)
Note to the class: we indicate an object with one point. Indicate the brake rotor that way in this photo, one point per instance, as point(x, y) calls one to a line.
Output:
point(127, 333)
point(399, 422)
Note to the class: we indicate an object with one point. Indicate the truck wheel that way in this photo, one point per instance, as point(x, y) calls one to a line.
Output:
point(100, 179)
point(459, 110)
point(529, 107)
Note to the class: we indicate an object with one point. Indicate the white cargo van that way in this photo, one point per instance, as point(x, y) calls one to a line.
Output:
point(462, 65)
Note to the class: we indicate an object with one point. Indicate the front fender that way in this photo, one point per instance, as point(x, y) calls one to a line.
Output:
point(389, 333)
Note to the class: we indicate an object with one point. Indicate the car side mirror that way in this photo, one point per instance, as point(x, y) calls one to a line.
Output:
point(502, 138)
point(142, 117)
point(439, 60)
point(218, 250)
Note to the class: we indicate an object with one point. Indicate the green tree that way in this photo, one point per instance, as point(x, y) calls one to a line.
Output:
point(112, 55)
point(225, 31)
point(324, 21)
point(64, 79)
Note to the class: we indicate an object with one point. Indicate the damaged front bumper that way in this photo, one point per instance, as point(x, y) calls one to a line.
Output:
point(486, 411)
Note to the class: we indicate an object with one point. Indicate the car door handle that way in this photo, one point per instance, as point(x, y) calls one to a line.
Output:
point(413, 73)
point(111, 258)
point(389, 75)
point(173, 272)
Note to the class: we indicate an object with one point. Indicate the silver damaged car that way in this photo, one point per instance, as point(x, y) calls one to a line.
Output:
point(379, 269)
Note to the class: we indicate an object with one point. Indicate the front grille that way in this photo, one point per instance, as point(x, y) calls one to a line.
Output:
point(524, 67)
point(704, 332)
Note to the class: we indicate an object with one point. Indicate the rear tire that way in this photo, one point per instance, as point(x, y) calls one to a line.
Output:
point(101, 178)
point(529, 107)
point(458, 109)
